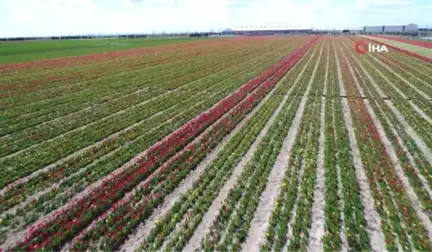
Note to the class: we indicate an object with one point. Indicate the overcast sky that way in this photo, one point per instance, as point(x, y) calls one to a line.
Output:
point(66, 17)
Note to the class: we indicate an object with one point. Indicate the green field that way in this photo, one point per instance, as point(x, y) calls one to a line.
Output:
point(15, 52)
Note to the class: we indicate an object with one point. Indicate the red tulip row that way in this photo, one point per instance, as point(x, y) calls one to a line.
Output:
point(65, 224)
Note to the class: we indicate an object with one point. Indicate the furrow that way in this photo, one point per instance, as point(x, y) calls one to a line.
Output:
point(317, 229)
point(344, 240)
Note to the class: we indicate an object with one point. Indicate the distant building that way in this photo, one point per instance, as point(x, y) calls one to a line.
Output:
point(373, 29)
point(409, 29)
point(425, 32)
point(268, 30)
point(353, 31)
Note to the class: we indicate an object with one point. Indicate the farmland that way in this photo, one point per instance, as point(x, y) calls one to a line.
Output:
point(15, 52)
point(247, 143)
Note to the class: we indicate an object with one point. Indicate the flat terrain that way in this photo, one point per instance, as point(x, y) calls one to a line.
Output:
point(14, 52)
point(247, 143)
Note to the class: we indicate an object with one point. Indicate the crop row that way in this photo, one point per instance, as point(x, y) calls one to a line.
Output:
point(272, 82)
point(140, 53)
point(29, 77)
point(402, 84)
point(295, 192)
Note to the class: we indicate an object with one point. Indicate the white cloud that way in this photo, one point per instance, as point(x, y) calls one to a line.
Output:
point(61, 17)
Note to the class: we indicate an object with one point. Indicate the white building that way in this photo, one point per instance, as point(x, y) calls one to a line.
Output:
point(409, 29)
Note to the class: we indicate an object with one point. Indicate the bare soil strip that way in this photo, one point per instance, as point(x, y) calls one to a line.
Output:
point(411, 132)
point(86, 126)
point(317, 229)
point(372, 217)
point(260, 222)
point(56, 185)
point(416, 108)
point(204, 227)
point(344, 240)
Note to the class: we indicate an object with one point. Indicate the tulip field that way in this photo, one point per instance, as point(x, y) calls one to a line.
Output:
point(279, 143)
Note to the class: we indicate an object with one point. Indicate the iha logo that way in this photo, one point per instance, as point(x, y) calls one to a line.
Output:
point(362, 47)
